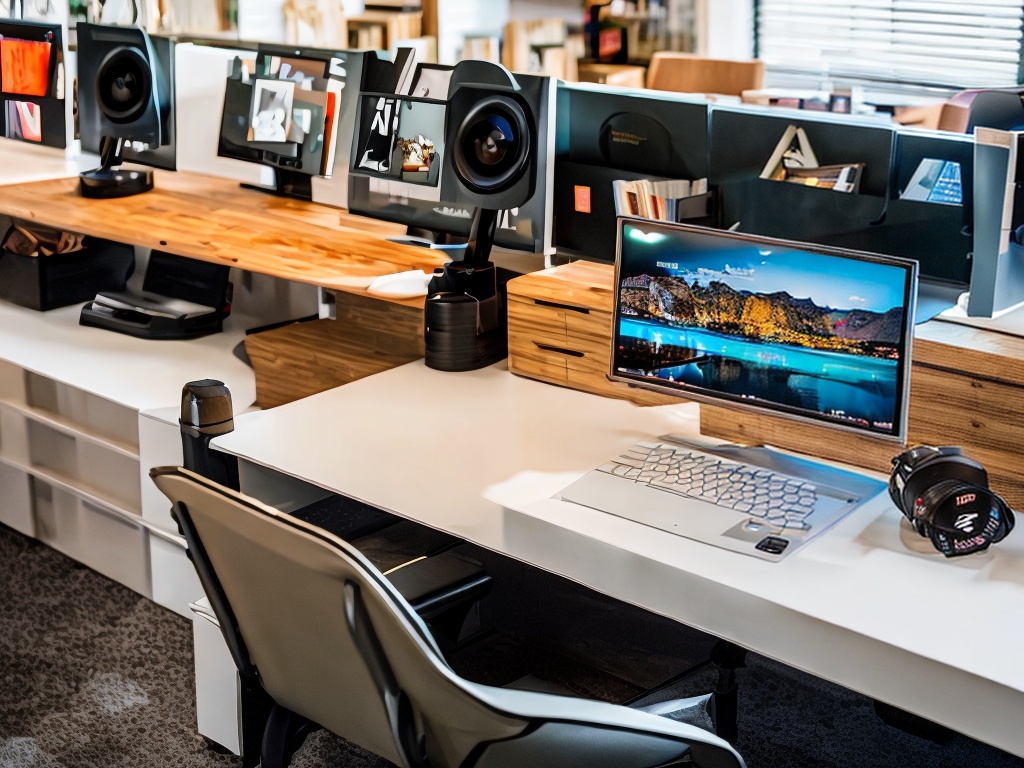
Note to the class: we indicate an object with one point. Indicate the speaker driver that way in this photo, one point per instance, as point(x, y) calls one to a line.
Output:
point(124, 85)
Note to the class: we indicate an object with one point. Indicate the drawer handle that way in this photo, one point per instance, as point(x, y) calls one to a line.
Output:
point(558, 350)
point(556, 305)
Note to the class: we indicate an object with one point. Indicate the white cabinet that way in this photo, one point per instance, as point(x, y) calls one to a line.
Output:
point(76, 448)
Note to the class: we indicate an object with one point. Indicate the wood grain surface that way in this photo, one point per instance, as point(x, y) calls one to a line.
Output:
point(216, 220)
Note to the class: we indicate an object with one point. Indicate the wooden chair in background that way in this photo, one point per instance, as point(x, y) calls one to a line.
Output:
point(690, 73)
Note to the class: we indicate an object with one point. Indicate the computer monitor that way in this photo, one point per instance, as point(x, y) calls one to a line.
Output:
point(794, 329)
point(414, 199)
point(290, 109)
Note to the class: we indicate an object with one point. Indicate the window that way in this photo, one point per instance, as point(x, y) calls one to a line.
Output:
point(939, 43)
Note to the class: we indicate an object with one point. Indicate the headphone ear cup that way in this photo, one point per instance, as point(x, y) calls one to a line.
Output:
point(1006, 519)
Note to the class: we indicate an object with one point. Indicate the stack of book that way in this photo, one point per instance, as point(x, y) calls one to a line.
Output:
point(662, 200)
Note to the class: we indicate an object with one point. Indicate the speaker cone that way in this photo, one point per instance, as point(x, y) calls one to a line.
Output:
point(124, 85)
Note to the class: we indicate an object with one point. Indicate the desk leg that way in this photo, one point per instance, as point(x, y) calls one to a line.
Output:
point(727, 658)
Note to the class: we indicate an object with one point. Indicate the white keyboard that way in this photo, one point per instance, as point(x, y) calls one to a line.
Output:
point(750, 500)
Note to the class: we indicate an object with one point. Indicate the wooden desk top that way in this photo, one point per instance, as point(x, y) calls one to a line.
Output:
point(216, 220)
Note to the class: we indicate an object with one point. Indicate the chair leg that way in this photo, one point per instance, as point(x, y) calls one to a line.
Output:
point(255, 707)
point(283, 736)
point(727, 658)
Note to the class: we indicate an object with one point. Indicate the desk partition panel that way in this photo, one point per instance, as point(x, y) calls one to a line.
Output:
point(606, 134)
point(743, 141)
point(883, 215)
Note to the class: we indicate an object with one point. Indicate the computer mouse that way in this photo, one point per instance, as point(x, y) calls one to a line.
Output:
point(401, 285)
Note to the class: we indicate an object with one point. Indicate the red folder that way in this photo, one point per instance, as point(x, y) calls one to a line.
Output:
point(24, 67)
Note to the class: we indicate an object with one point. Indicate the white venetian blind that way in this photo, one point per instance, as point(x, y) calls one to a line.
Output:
point(951, 43)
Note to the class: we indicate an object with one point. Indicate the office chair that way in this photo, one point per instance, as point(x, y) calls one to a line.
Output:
point(689, 73)
point(331, 639)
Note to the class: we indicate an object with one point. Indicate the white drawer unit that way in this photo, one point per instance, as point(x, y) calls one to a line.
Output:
point(72, 471)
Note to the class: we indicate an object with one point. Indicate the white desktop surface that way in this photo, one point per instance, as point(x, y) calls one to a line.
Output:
point(138, 373)
point(21, 162)
point(478, 454)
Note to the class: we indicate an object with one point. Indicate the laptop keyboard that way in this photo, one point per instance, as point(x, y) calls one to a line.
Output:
point(779, 500)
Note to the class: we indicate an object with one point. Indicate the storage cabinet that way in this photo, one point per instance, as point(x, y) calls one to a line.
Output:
point(76, 446)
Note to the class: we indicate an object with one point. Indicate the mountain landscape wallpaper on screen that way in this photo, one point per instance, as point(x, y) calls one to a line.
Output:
point(774, 317)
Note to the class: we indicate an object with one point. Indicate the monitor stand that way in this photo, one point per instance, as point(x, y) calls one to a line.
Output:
point(935, 297)
point(287, 184)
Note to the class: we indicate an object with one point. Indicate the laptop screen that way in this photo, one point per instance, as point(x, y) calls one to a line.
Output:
point(800, 330)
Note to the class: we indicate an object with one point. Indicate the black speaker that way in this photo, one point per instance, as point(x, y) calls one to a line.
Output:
point(125, 106)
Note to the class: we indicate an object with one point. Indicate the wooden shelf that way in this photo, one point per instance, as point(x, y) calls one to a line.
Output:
point(216, 220)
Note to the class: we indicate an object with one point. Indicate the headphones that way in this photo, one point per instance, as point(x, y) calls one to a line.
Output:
point(946, 498)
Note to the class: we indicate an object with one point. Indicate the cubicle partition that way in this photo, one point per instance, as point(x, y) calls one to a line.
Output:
point(606, 134)
point(743, 142)
point(932, 228)
point(882, 214)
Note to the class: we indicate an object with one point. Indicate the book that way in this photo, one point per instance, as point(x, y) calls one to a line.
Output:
point(793, 160)
point(655, 199)
point(840, 178)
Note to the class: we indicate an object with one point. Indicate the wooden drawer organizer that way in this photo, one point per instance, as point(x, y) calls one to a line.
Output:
point(559, 330)
point(967, 384)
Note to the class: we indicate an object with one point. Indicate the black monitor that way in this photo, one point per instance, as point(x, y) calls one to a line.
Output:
point(794, 329)
point(291, 109)
point(607, 134)
point(125, 106)
point(414, 197)
point(33, 90)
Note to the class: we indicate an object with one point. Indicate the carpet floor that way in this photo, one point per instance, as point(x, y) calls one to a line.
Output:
point(94, 676)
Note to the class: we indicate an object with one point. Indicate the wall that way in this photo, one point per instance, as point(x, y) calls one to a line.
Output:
point(729, 28)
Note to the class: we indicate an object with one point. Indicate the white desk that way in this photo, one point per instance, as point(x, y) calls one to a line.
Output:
point(477, 454)
point(21, 162)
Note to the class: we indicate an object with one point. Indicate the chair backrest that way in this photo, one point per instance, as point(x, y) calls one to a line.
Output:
point(332, 640)
point(690, 73)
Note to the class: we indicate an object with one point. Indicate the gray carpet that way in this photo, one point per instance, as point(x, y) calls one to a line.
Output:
point(94, 676)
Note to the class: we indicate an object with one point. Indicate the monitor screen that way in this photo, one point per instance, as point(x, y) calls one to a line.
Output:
point(800, 330)
point(284, 109)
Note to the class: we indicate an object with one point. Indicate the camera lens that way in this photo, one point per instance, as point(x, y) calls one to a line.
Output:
point(492, 145)
point(492, 140)
point(123, 84)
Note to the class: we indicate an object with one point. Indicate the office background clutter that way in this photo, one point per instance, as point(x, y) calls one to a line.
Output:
point(272, 160)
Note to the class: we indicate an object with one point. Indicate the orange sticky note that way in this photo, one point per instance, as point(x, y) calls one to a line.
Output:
point(582, 199)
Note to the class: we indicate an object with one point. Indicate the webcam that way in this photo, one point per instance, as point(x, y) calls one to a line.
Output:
point(491, 135)
point(491, 164)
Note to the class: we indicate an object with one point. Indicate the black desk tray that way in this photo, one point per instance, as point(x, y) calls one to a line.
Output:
point(145, 326)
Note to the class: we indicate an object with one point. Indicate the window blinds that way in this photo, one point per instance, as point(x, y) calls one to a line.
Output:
point(945, 43)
